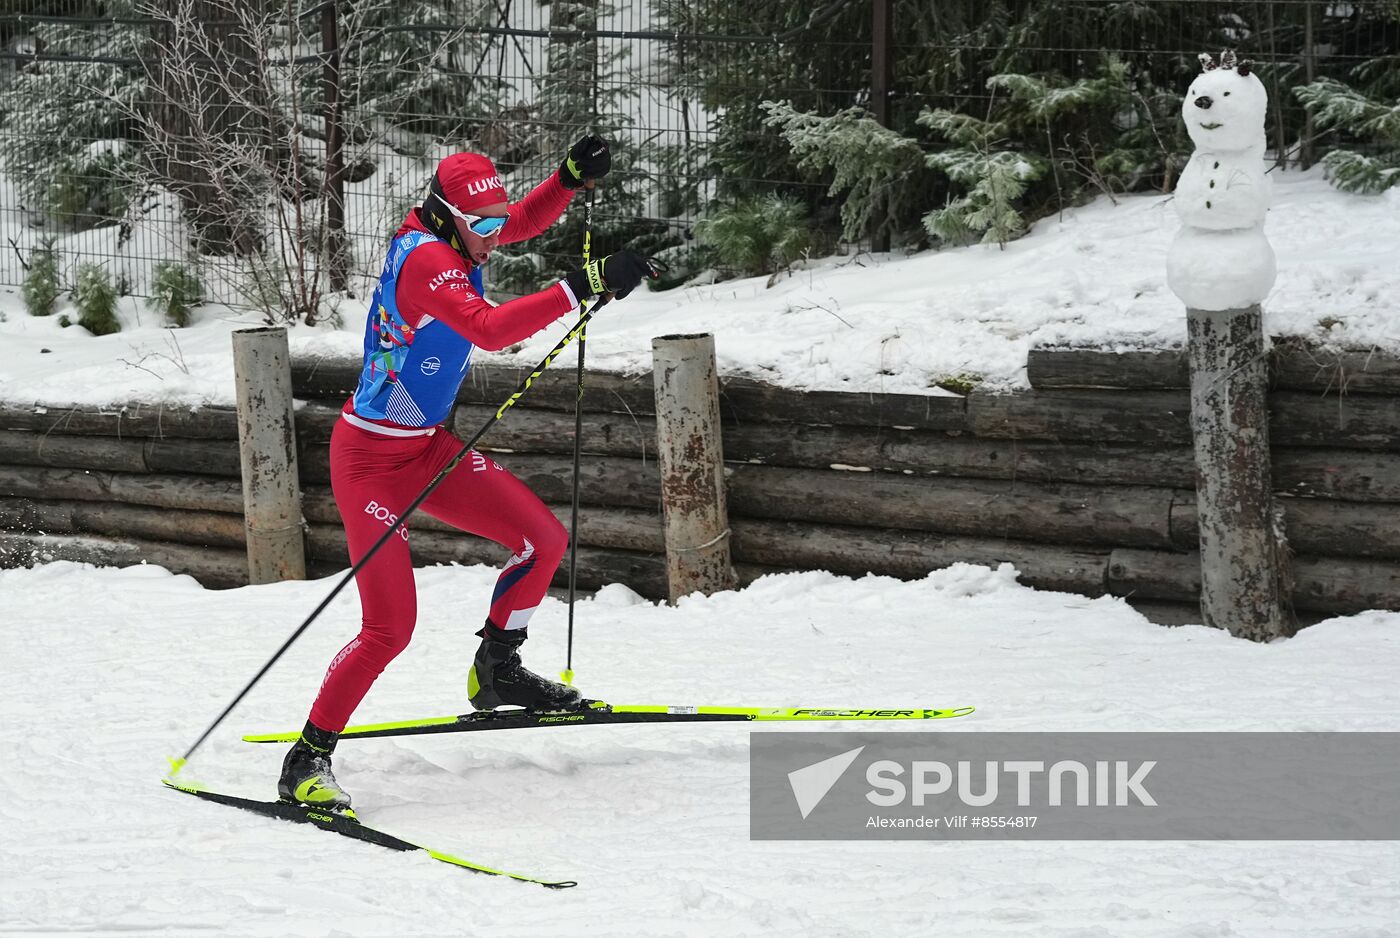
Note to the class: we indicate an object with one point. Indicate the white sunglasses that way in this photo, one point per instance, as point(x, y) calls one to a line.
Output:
point(483, 226)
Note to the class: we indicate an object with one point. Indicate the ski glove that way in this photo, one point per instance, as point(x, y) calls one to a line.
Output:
point(618, 274)
point(587, 159)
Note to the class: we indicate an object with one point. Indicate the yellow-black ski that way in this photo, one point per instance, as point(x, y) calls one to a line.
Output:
point(348, 825)
point(598, 713)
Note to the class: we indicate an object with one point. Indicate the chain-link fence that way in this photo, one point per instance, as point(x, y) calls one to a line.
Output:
point(274, 149)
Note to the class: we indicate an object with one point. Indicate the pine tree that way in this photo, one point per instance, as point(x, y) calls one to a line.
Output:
point(1370, 119)
point(731, 79)
point(96, 300)
point(416, 66)
point(1113, 128)
point(761, 235)
point(585, 88)
point(995, 180)
point(870, 166)
point(66, 122)
point(175, 290)
point(40, 288)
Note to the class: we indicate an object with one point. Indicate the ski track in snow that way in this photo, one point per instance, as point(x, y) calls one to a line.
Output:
point(112, 670)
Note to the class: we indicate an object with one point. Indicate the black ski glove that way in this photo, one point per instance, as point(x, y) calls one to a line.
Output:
point(587, 159)
point(618, 274)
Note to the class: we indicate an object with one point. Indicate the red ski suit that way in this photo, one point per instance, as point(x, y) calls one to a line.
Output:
point(378, 467)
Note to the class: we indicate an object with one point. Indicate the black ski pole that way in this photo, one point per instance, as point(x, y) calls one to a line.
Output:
point(568, 673)
point(177, 764)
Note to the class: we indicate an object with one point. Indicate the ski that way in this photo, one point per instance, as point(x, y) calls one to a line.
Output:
point(598, 713)
point(348, 825)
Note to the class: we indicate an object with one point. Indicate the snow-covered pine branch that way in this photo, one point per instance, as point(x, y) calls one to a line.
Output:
point(1337, 106)
point(870, 164)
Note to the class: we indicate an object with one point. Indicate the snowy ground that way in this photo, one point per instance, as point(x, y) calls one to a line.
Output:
point(866, 323)
point(110, 671)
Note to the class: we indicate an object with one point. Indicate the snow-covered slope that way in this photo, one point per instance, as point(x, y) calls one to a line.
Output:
point(107, 672)
point(866, 323)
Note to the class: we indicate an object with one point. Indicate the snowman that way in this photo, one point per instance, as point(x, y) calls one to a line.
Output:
point(1220, 258)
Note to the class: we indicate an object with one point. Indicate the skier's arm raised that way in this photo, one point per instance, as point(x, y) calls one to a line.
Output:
point(588, 159)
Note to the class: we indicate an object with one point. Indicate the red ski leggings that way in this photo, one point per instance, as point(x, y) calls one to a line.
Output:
point(374, 478)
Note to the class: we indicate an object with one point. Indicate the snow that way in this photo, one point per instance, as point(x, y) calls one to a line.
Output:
point(864, 323)
point(110, 671)
point(1220, 259)
point(1225, 108)
point(1220, 270)
point(119, 668)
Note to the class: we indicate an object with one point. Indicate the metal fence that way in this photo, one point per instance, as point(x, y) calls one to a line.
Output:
point(674, 83)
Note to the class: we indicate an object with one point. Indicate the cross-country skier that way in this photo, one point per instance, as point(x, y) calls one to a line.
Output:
point(427, 316)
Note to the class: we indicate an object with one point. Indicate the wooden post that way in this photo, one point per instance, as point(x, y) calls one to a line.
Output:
point(267, 446)
point(1245, 583)
point(692, 465)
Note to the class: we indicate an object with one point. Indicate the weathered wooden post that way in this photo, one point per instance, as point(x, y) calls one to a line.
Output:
point(1244, 566)
point(267, 445)
point(692, 465)
point(1222, 267)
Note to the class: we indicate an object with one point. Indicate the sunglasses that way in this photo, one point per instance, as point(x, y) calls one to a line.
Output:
point(482, 226)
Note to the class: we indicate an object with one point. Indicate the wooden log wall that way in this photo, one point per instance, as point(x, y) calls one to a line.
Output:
point(1085, 482)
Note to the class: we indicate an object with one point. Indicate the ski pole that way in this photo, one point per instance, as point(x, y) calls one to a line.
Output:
point(177, 764)
point(567, 675)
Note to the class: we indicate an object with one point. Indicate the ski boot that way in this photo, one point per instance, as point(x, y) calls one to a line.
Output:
point(306, 773)
point(498, 679)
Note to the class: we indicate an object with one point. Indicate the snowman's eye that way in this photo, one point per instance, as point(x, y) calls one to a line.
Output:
point(1227, 94)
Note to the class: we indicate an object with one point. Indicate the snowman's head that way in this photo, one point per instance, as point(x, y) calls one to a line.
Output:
point(1226, 105)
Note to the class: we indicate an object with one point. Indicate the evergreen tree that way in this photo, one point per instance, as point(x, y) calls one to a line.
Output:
point(1095, 134)
point(96, 300)
point(1370, 119)
point(175, 290)
point(870, 167)
point(731, 79)
point(1110, 126)
point(413, 66)
point(40, 289)
point(994, 180)
point(65, 122)
point(761, 235)
point(1116, 131)
point(584, 88)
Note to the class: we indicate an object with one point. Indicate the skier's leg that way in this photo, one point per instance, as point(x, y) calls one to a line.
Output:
point(373, 482)
point(374, 479)
point(482, 497)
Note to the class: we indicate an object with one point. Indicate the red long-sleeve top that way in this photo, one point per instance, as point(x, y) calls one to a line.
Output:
point(433, 281)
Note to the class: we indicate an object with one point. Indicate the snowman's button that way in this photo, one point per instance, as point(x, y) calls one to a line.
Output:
point(1207, 205)
point(1217, 164)
point(1212, 183)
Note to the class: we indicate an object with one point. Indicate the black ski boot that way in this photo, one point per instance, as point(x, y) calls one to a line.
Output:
point(306, 772)
point(498, 678)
